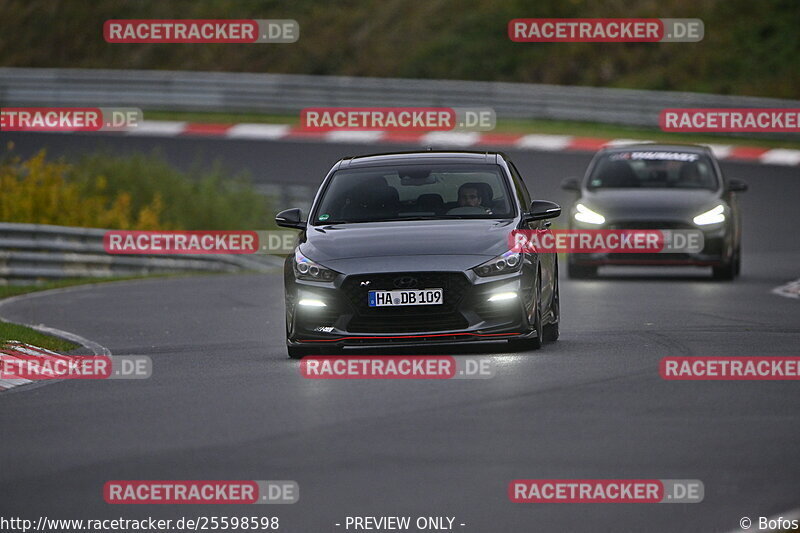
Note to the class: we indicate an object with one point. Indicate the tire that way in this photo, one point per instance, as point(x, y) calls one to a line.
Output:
point(725, 272)
point(533, 343)
point(581, 271)
point(737, 264)
point(550, 331)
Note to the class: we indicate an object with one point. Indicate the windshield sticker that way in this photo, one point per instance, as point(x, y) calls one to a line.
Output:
point(326, 216)
point(659, 156)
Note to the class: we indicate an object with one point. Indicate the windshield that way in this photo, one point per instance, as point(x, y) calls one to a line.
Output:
point(657, 169)
point(414, 192)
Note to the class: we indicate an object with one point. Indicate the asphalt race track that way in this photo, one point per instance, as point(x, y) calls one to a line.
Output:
point(224, 402)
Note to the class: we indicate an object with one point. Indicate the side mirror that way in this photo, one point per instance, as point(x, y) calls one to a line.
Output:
point(735, 185)
point(542, 209)
point(571, 184)
point(290, 218)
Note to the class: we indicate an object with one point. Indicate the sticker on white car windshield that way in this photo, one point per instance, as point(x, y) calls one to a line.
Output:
point(324, 217)
point(659, 156)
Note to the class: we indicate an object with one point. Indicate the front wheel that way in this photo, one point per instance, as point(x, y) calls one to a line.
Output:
point(550, 331)
point(531, 343)
point(724, 272)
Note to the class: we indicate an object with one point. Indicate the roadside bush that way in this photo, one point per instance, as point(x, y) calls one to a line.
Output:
point(133, 192)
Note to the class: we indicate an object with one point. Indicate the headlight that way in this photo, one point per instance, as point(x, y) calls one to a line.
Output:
point(502, 264)
point(588, 216)
point(305, 268)
point(713, 216)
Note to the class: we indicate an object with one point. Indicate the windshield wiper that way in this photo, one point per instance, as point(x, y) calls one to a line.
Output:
point(420, 218)
point(403, 219)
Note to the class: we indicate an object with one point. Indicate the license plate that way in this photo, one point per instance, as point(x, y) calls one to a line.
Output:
point(406, 297)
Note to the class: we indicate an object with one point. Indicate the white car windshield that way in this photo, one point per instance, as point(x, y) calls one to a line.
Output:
point(653, 169)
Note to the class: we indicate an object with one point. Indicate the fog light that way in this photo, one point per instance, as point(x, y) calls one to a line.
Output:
point(307, 302)
point(500, 296)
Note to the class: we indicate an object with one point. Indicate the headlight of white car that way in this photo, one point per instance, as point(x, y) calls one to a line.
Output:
point(712, 216)
point(584, 214)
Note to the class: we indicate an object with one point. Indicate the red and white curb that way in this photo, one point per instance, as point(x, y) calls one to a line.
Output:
point(19, 350)
point(541, 142)
point(14, 351)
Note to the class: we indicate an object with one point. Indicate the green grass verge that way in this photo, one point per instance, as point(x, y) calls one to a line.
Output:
point(521, 126)
point(9, 332)
point(222, 118)
point(128, 192)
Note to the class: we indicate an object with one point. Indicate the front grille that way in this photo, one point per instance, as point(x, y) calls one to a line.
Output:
point(654, 257)
point(649, 224)
point(400, 341)
point(407, 319)
point(408, 324)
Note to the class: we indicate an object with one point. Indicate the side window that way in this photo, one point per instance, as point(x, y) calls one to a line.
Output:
point(519, 185)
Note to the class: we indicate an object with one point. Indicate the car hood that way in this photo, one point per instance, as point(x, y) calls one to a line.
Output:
point(475, 239)
point(650, 204)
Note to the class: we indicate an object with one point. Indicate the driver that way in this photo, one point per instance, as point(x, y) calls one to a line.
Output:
point(470, 196)
point(689, 175)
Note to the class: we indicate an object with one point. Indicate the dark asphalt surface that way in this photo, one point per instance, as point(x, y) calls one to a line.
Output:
point(225, 403)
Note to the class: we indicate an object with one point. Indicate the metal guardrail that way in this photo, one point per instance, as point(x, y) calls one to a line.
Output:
point(30, 252)
point(289, 93)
